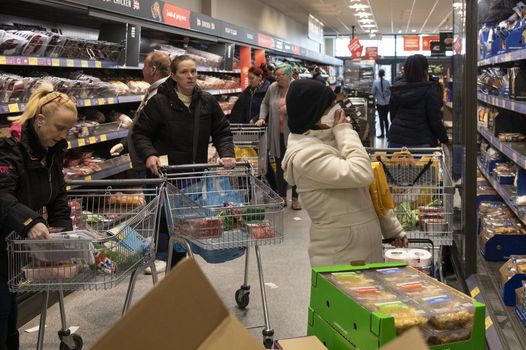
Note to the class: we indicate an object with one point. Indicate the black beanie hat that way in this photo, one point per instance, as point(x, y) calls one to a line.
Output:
point(306, 101)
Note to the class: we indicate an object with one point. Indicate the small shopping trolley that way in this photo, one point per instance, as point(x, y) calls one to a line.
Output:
point(250, 144)
point(217, 212)
point(422, 191)
point(114, 237)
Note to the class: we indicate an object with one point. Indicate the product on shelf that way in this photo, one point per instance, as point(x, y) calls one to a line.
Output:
point(512, 276)
point(511, 137)
point(81, 163)
point(207, 82)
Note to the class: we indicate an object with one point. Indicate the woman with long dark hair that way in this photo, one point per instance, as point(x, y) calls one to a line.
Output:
point(416, 118)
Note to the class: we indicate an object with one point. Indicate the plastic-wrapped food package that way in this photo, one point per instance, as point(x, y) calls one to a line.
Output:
point(210, 59)
point(11, 44)
point(12, 87)
point(138, 87)
point(169, 49)
point(261, 230)
point(406, 315)
point(351, 279)
point(211, 227)
point(36, 42)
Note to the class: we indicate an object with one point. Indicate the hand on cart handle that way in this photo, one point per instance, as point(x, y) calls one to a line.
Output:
point(260, 122)
point(400, 242)
point(228, 163)
point(38, 231)
point(153, 163)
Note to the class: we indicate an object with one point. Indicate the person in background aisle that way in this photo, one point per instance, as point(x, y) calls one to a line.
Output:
point(155, 72)
point(382, 91)
point(178, 122)
point(316, 74)
point(274, 112)
point(32, 188)
point(326, 160)
point(269, 69)
point(246, 109)
point(415, 106)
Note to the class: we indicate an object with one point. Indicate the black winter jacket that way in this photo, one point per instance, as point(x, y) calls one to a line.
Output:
point(166, 127)
point(27, 186)
point(415, 114)
point(246, 109)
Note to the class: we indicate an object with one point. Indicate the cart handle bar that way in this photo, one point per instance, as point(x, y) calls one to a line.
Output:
point(415, 150)
point(126, 182)
point(413, 241)
point(199, 166)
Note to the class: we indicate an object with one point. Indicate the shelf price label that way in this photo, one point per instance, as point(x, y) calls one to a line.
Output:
point(98, 64)
point(488, 322)
point(70, 63)
point(103, 138)
point(13, 107)
point(87, 102)
point(101, 101)
point(111, 100)
point(84, 63)
point(55, 62)
point(92, 139)
point(69, 144)
point(33, 61)
point(474, 292)
point(82, 142)
point(88, 178)
point(3, 60)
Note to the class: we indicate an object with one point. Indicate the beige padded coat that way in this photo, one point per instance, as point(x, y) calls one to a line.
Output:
point(333, 173)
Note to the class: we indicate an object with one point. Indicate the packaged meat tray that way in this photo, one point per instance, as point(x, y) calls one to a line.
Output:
point(64, 247)
point(261, 230)
point(47, 273)
point(211, 227)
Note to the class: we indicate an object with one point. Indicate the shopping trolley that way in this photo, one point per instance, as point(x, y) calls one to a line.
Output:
point(214, 210)
point(422, 191)
point(250, 143)
point(114, 236)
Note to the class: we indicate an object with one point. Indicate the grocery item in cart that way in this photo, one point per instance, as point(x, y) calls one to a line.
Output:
point(64, 247)
point(210, 227)
point(130, 239)
point(122, 199)
point(405, 316)
point(261, 230)
point(50, 272)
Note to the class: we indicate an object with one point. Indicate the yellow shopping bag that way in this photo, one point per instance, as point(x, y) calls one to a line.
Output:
point(379, 190)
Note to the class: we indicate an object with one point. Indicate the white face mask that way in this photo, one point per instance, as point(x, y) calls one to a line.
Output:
point(328, 118)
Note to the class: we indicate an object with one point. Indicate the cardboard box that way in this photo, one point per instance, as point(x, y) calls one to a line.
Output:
point(182, 312)
point(412, 339)
point(303, 343)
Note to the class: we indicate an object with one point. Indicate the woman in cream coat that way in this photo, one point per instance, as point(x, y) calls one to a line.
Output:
point(331, 169)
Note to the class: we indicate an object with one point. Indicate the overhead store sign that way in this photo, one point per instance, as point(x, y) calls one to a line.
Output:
point(169, 14)
point(411, 43)
point(371, 53)
point(315, 29)
point(355, 48)
point(426, 41)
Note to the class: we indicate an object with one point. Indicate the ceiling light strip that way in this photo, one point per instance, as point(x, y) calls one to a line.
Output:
point(429, 16)
point(410, 15)
point(392, 21)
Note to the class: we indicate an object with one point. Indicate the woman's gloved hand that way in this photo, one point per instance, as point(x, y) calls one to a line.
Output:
point(401, 241)
point(117, 149)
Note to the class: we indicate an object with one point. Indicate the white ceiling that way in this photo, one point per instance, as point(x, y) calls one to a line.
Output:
point(391, 16)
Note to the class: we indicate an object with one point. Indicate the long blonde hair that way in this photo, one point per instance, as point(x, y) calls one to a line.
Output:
point(44, 100)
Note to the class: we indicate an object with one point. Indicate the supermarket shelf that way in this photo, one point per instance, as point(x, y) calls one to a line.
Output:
point(505, 192)
point(217, 70)
point(515, 151)
point(511, 56)
point(502, 102)
point(102, 136)
point(59, 62)
point(110, 167)
point(17, 107)
point(224, 91)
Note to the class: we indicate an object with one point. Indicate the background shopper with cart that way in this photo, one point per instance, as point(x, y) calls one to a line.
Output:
point(332, 170)
point(274, 113)
point(31, 183)
point(416, 118)
point(178, 122)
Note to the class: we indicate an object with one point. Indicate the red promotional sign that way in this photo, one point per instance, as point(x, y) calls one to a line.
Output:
point(244, 62)
point(259, 58)
point(176, 16)
point(411, 43)
point(371, 53)
point(265, 41)
point(426, 41)
point(356, 48)
point(457, 46)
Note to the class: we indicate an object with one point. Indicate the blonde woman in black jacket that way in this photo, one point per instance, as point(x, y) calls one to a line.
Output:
point(31, 180)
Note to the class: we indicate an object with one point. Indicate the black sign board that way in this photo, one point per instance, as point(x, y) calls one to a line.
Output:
point(447, 39)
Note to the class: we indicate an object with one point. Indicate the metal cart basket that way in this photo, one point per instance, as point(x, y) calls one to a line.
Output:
point(216, 209)
point(423, 192)
point(114, 236)
point(250, 143)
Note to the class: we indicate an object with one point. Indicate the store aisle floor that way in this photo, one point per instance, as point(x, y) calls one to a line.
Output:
point(287, 274)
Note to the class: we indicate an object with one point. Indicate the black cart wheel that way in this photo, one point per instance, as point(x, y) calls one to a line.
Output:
point(78, 343)
point(268, 342)
point(242, 298)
